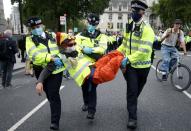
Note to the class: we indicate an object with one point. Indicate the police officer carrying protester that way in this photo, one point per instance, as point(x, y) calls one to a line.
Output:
point(93, 45)
point(137, 48)
point(42, 49)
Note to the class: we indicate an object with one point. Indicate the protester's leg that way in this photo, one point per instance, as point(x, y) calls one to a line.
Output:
point(9, 67)
point(51, 87)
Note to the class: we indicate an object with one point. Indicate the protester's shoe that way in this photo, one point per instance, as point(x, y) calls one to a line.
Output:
point(132, 124)
point(164, 77)
point(90, 115)
point(54, 126)
point(84, 108)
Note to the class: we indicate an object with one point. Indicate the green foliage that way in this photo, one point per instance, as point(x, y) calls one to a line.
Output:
point(169, 10)
point(51, 10)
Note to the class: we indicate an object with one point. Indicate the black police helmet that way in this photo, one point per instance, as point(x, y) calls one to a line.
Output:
point(93, 19)
point(34, 21)
point(139, 4)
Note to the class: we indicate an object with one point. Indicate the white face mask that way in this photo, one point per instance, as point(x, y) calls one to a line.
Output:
point(70, 49)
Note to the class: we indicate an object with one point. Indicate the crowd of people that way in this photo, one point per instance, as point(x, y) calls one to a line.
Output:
point(51, 54)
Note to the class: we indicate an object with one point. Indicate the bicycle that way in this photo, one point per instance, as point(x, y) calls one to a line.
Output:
point(180, 74)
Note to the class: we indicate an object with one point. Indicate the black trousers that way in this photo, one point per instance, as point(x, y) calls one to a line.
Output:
point(51, 87)
point(89, 95)
point(7, 68)
point(136, 79)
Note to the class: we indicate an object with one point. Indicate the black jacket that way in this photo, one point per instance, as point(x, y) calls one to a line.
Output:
point(11, 50)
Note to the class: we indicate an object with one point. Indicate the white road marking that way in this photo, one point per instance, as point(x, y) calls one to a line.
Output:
point(185, 92)
point(27, 116)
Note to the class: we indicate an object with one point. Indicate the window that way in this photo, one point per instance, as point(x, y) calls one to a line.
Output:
point(110, 16)
point(120, 7)
point(120, 16)
point(110, 25)
point(110, 8)
point(119, 25)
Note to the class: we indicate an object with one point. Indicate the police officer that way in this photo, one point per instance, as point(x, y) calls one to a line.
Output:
point(42, 49)
point(137, 47)
point(93, 45)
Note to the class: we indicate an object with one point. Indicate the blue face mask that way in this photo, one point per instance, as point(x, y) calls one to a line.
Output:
point(91, 28)
point(136, 16)
point(37, 31)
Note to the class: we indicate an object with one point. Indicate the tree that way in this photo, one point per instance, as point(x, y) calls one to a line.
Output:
point(51, 10)
point(169, 10)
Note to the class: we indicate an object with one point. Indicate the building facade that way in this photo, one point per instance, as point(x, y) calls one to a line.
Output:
point(3, 23)
point(15, 21)
point(116, 16)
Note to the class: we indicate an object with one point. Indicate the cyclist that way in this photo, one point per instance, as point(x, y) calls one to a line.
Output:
point(170, 38)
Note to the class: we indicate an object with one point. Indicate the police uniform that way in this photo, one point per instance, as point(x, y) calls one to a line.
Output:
point(137, 48)
point(98, 43)
point(40, 51)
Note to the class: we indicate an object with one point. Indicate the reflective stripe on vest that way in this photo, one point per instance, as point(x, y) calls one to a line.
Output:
point(41, 51)
point(69, 66)
point(141, 63)
point(138, 49)
point(81, 69)
point(140, 41)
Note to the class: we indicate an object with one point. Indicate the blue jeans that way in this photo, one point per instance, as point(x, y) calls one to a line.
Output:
point(167, 54)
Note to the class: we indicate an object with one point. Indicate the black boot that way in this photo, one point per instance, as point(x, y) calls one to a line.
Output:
point(132, 124)
point(54, 126)
point(90, 115)
point(84, 108)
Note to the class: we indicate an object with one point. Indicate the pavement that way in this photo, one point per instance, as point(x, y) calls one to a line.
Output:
point(18, 65)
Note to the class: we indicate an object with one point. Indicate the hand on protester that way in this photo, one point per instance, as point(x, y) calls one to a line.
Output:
point(124, 62)
point(87, 50)
point(39, 88)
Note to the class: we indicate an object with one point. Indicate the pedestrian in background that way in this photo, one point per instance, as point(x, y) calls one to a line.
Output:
point(42, 49)
point(137, 48)
point(8, 49)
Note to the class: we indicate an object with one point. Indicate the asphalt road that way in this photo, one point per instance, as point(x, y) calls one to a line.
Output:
point(160, 107)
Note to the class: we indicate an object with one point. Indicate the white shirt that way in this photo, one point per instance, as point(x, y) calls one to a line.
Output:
point(171, 40)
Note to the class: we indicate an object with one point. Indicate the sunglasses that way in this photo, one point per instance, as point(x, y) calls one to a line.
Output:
point(71, 44)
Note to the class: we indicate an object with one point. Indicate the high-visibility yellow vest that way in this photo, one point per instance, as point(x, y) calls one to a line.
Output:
point(99, 44)
point(78, 67)
point(39, 54)
point(187, 39)
point(141, 47)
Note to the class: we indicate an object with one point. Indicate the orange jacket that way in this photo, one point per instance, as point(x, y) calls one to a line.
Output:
point(107, 67)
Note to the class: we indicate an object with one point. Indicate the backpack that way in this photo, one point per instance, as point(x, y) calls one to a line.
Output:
point(3, 49)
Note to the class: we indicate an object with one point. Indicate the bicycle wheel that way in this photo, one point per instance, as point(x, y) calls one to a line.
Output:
point(158, 72)
point(181, 77)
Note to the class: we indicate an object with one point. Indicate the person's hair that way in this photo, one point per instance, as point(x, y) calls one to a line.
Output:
point(8, 33)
